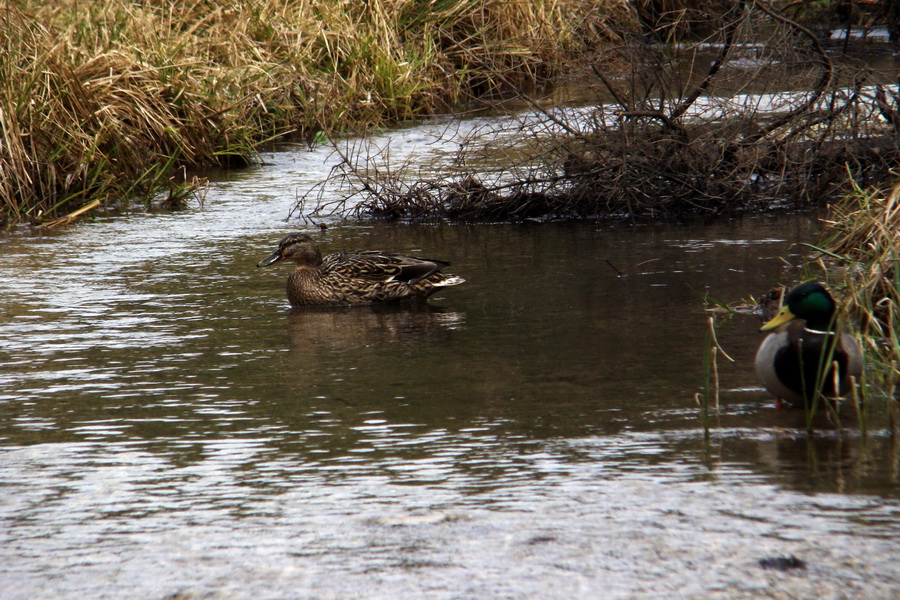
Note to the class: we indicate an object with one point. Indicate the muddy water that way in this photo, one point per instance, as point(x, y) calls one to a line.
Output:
point(169, 427)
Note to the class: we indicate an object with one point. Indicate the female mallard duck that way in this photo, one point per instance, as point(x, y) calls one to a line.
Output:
point(805, 338)
point(355, 277)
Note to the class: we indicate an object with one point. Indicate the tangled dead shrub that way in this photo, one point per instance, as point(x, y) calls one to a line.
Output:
point(667, 138)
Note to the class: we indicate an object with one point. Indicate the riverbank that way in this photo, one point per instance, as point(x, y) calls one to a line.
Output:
point(109, 99)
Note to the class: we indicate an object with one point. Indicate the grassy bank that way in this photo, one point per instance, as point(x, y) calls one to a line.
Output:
point(106, 99)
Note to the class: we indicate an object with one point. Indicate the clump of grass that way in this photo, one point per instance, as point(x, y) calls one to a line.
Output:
point(861, 242)
point(863, 233)
point(104, 99)
point(84, 119)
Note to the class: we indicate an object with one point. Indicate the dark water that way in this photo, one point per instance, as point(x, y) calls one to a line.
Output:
point(168, 425)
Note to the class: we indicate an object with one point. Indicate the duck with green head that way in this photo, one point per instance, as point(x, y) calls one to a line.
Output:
point(805, 338)
point(357, 276)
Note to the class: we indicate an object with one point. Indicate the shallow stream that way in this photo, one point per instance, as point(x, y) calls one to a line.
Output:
point(170, 428)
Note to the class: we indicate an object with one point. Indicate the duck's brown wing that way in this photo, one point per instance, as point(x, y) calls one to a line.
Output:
point(381, 266)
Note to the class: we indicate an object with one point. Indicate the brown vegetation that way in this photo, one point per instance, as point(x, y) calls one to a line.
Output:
point(756, 115)
point(861, 240)
point(106, 99)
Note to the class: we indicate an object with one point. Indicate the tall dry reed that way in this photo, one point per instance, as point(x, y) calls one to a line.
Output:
point(863, 234)
point(103, 99)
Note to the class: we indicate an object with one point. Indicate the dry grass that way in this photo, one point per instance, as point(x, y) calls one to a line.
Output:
point(104, 99)
point(863, 235)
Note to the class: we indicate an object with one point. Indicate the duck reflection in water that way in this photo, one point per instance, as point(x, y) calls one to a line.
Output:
point(357, 276)
point(343, 328)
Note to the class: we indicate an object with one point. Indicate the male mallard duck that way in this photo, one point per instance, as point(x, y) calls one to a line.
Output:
point(355, 277)
point(803, 337)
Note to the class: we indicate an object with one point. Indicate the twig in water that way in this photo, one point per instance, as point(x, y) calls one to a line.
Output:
point(619, 273)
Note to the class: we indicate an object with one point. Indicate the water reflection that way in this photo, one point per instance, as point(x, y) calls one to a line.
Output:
point(337, 328)
point(170, 408)
point(546, 340)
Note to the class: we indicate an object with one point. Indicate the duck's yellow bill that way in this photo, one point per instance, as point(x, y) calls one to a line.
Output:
point(784, 316)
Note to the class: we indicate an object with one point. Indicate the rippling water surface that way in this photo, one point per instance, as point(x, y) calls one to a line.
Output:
point(169, 427)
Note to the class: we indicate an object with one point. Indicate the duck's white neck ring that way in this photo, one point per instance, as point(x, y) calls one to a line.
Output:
point(816, 331)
